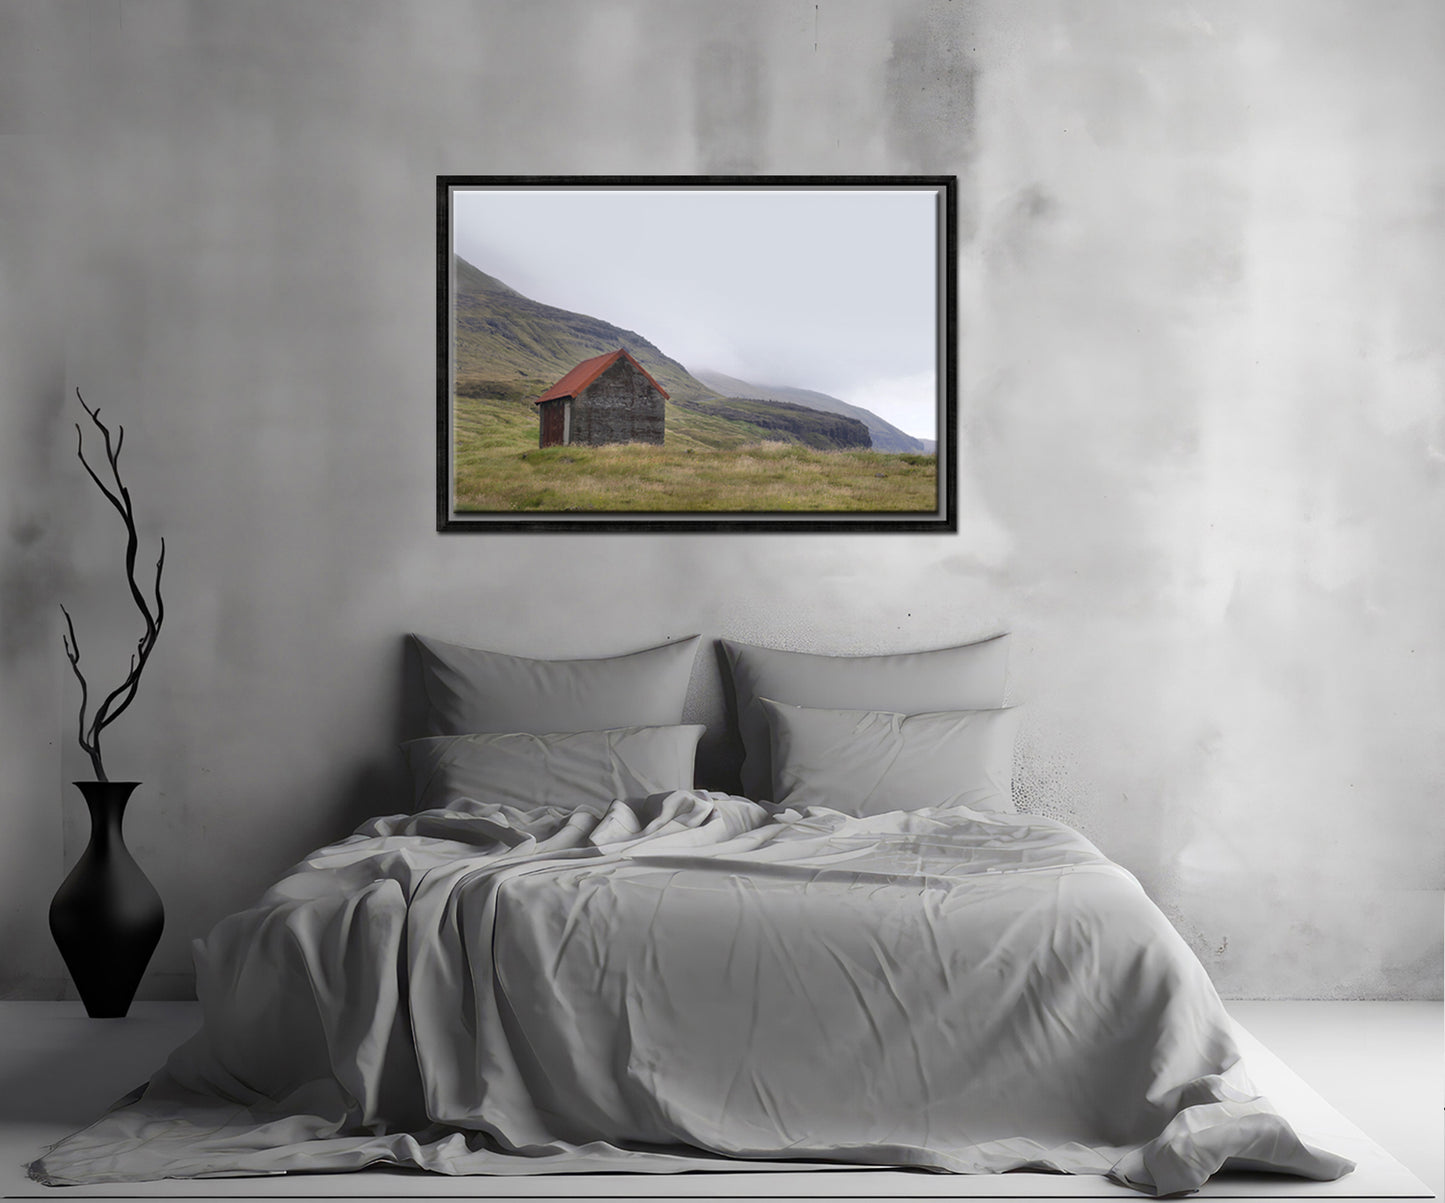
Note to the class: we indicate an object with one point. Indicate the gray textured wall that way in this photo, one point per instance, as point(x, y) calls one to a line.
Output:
point(1202, 446)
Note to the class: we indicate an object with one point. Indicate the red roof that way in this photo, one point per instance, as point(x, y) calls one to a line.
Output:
point(577, 380)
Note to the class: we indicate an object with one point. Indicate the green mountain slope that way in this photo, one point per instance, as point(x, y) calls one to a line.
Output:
point(510, 349)
point(886, 436)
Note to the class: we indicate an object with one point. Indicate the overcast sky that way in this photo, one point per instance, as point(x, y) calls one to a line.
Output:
point(827, 289)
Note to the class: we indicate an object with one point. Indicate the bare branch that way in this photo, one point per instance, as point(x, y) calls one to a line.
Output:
point(115, 703)
point(160, 601)
point(111, 457)
point(89, 742)
point(99, 484)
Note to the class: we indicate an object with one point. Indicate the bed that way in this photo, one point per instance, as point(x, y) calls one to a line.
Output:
point(567, 958)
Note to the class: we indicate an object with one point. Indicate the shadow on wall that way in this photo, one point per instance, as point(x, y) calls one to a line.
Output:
point(378, 784)
point(720, 752)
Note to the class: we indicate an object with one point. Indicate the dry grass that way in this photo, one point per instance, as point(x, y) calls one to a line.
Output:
point(638, 478)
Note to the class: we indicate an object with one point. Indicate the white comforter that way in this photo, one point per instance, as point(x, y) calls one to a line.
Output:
point(696, 981)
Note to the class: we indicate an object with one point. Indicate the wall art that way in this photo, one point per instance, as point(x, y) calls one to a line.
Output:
point(696, 353)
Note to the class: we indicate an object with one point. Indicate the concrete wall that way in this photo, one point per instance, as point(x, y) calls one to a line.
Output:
point(1202, 461)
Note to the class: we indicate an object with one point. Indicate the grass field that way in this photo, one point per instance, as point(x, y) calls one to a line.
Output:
point(499, 469)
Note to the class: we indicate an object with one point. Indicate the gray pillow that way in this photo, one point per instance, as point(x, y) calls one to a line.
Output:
point(970, 676)
point(867, 762)
point(468, 689)
point(560, 769)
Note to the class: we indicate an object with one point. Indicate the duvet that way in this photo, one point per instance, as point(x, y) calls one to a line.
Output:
point(695, 981)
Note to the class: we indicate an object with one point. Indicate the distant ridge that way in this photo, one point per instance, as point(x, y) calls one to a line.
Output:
point(886, 436)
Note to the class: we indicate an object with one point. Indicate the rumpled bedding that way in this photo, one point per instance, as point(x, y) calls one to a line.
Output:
point(695, 981)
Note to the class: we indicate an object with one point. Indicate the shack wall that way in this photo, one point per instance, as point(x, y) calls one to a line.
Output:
point(620, 406)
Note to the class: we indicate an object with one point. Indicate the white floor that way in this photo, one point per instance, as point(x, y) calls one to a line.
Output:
point(1362, 1078)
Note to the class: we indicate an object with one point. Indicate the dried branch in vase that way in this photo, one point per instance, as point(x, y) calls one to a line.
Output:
point(152, 613)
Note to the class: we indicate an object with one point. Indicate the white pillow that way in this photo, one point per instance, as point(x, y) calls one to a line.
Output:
point(866, 762)
point(970, 676)
point(559, 769)
point(470, 689)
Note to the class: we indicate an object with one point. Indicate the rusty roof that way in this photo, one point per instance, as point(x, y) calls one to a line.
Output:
point(577, 380)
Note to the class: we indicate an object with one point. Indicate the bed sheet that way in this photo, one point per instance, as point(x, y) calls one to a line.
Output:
point(695, 981)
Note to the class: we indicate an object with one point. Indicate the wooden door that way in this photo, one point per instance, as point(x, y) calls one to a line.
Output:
point(554, 432)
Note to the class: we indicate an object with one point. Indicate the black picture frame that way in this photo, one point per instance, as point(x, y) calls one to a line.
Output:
point(935, 196)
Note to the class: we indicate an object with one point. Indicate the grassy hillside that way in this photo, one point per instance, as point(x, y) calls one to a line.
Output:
point(512, 346)
point(782, 420)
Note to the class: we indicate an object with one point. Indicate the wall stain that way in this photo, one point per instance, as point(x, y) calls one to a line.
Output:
point(1044, 780)
point(730, 100)
point(931, 97)
point(1019, 223)
point(32, 568)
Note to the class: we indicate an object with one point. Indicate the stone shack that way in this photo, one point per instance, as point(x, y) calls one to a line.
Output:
point(607, 399)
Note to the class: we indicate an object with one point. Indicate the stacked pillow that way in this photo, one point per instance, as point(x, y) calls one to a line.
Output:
point(859, 734)
point(528, 732)
point(868, 762)
point(468, 689)
point(865, 734)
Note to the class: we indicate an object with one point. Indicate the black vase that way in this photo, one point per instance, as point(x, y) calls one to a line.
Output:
point(106, 917)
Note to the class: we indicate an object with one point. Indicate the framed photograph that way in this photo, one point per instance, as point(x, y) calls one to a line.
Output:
point(696, 353)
